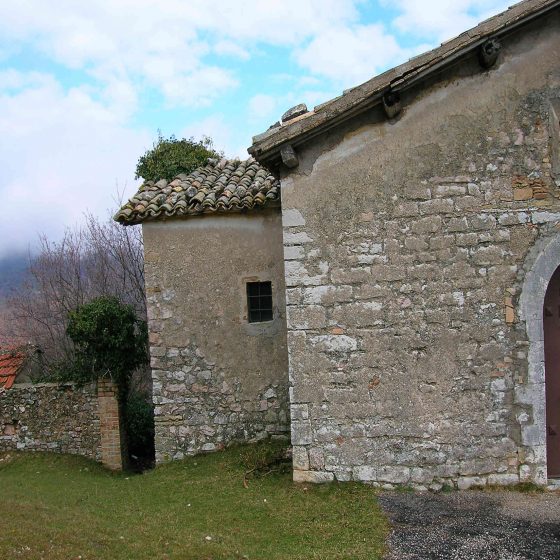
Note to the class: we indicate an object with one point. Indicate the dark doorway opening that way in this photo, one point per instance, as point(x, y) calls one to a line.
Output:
point(551, 324)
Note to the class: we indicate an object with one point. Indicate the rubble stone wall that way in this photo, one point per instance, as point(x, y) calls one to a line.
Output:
point(217, 378)
point(51, 417)
point(407, 244)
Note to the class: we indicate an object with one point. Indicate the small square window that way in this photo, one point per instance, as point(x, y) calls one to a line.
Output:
point(259, 301)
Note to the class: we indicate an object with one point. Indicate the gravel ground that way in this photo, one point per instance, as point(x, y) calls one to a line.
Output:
point(473, 525)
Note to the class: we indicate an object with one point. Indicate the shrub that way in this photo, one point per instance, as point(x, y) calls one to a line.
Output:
point(109, 340)
point(169, 157)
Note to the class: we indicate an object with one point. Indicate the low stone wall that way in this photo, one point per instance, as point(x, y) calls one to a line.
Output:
point(50, 417)
point(62, 418)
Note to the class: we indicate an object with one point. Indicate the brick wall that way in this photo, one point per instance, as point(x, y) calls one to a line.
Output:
point(111, 429)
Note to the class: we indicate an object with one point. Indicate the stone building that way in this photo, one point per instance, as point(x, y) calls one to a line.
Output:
point(214, 274)
point(421, 238)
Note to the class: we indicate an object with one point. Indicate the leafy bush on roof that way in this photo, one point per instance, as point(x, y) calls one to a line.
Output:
point(169, 157)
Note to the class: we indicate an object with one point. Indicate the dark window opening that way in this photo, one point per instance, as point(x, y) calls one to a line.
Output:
point(259, 301)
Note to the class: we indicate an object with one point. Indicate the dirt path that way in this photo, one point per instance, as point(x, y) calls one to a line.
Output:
point(473, 525)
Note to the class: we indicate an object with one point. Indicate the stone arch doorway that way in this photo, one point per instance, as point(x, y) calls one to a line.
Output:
point(541, 264)
point(551, 327)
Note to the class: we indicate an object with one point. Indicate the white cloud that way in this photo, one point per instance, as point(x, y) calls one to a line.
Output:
point(280, 22)
point(61, 153)
point(164, 45)
point(350, 55)
point(229, 48)
point(443, 19)
point(199, 88)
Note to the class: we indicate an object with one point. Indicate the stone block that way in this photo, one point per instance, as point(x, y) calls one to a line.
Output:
point(514, 218)
point(301, 433)
point(298, 275)
point(158, 351)
point(483, 222)
point(485, 256)
point(300, 238)
point(420, 475)
point(430, 224)
point(334, 343)
point(417, 192)
point(360, 314)
point(436, 206)
point(291, 217)
point(466, 482)
point(327, 295)
point(365, 473)
point(350, 275)
point(316, 459)
point(545, 217)
point(406, 209)
point(299, 412)
point(293, 252)
point(450, 190)
point(300, 458)
point(503, 479)
point(314, 477)
point(458, 224)
point(306, 317)
point(387, 273)
point(416, 243)
point(393, 474)
point(466, 203)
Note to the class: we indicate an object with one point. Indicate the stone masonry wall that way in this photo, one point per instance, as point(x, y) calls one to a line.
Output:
point(217, 379)
point(406, 246)
point(50, 417)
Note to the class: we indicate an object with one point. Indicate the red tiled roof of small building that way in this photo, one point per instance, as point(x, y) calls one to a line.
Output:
point(11, 362)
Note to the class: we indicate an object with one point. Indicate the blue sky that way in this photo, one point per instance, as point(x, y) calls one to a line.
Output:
point(85, 86)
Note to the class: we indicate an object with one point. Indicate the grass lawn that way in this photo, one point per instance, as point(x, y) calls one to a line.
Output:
point(62, 507)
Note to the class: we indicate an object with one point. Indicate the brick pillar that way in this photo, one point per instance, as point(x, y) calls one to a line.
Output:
point(110, 425)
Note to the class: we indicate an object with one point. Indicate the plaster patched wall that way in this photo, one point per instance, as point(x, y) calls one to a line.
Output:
point(216, 377)
point(406, 247)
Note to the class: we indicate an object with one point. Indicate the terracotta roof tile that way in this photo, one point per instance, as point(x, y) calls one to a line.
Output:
point(11, 362)
point(220, 186)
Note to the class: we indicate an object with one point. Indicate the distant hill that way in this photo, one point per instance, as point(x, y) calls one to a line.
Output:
point(13, 269)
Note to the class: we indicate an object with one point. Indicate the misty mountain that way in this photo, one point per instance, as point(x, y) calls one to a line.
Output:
point(13, 269)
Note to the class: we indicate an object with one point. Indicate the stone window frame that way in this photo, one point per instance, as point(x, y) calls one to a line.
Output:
point(541, 263)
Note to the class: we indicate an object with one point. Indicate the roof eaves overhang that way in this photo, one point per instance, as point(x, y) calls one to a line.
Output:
point(266, 146)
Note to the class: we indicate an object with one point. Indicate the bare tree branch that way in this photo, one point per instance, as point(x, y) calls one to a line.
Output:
point(99, 258)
